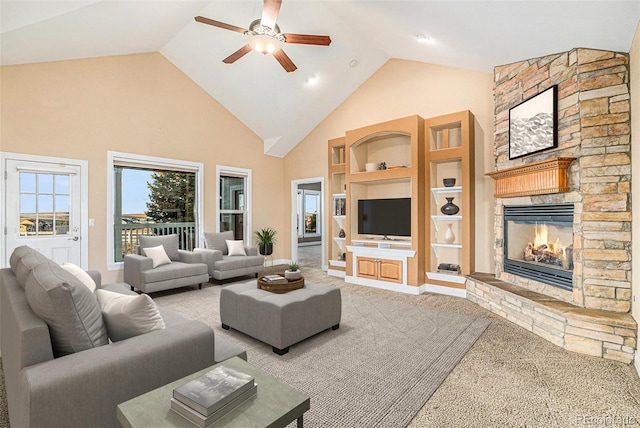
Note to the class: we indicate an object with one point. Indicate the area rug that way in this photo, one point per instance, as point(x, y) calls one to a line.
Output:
point(377, 370)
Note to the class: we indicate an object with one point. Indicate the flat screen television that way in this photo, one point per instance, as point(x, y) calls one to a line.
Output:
point(387, 217)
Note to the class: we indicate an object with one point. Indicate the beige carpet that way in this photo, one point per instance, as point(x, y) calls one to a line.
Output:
point(510, 377)
point(378, 369)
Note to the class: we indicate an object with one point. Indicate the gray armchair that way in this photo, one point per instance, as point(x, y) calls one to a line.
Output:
point(223, 266)
point(186, 268)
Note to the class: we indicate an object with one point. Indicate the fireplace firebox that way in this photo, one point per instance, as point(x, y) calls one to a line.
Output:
point(538, 243)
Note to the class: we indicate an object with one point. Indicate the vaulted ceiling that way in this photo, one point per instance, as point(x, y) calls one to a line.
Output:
point(282, 108)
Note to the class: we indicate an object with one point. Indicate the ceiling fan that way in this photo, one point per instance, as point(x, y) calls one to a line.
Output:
point(265, 36)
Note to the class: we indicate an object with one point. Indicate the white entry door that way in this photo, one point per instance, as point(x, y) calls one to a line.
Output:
point(43, 209)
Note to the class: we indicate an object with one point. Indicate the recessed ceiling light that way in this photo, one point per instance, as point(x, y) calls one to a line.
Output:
point(423, 38)
point(311, 80)
point(353, 63)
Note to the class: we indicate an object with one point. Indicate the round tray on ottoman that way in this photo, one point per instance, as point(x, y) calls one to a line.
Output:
point(280, 288)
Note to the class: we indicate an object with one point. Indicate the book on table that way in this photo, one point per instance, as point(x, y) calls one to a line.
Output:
point(206, 421)
point(213, 390)
point(275, 279)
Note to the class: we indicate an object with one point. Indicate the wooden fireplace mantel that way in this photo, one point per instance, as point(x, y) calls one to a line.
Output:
point(538, 178)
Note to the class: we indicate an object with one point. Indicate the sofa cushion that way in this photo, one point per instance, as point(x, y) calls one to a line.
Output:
point(17, 254)
point(232, 263)
point(128, 316)
point(218, 241)
point(68, 307)
point(158, 255)
point(173, 271)
point(236, 248)
point(169, 242)
point(79, 273)
point(26, 263)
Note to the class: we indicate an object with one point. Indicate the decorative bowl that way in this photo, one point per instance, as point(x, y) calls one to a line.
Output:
point(371, 166)
point(449, 182)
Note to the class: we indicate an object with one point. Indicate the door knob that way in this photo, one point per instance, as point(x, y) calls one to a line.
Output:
point(75, 238)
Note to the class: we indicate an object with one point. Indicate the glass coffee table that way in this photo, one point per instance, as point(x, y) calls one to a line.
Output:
point(275, 404)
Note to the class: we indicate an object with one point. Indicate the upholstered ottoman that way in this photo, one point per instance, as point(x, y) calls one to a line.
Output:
point(280, 320)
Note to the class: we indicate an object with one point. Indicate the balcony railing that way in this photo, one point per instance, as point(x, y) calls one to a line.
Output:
point(127, 235)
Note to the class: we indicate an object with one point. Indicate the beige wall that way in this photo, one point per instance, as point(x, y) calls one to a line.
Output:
point(634, 66)
point(403, 88)
point(137, 104)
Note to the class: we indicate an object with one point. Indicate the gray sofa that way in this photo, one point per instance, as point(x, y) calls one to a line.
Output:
point(223, 266)
point(186, 268)
point(83, 388)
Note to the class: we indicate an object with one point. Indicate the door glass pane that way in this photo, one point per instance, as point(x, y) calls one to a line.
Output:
point(45, 183)
point(27, 182)
point(62, 184)
point(61, 214)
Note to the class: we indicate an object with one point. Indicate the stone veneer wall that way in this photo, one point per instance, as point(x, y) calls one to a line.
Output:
point(594, 127)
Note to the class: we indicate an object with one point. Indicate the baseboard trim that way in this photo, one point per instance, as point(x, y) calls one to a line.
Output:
point(636, 361)
point(269, 263)
point(449, 291)
point(336, 273)
point(407, 289)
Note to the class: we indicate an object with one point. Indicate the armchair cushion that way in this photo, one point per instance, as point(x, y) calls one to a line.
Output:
point(218, 241)
point(157, 254)
point(68, 307)
point(236, 248)
point(169, 242)
point(128, 315)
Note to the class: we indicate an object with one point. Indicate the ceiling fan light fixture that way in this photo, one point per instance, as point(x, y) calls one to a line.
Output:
point(265, 44)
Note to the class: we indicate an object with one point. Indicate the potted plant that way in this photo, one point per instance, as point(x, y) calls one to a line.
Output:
point(293, 273)
point(265, 238)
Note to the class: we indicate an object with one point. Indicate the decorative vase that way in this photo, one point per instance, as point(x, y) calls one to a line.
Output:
point(450, 208)
point(449, 237)
point(449, 182)
point(292, 275)
point(341, 234)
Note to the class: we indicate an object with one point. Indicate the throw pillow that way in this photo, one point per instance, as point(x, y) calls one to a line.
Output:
point(169, 242)
point(217, 241)
point(158, 255)
point(236, 248)
point(79, 273)
point(128, 316)
point(68, 307)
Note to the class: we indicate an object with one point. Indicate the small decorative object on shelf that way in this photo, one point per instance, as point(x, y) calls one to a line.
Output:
point(383, 165)
point(450, 208)
point(449, 182)
point(371, 166)
point(449, 237)
point(448, 268)
point(342, 256)
point(341, 234)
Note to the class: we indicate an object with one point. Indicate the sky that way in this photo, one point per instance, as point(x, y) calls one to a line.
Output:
point(135, 193)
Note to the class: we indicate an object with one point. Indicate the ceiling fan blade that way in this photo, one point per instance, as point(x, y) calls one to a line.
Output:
point(219, 24)
point(237, 54)
point(285, 61)
point(270, 12)
point(306, 39)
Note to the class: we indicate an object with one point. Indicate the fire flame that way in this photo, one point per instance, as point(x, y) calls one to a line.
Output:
point(542, 238)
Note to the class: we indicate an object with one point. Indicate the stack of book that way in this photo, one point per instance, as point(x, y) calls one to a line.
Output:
point(275, 279)
point(211, 396)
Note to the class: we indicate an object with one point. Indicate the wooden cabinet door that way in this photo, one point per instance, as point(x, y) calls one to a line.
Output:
point(366, 267)
point(390, 270)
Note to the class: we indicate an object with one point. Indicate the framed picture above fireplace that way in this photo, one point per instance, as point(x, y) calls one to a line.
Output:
point(533, 124)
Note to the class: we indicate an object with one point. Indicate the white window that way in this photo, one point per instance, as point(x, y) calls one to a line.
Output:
point(233, 211)
point(151, 196)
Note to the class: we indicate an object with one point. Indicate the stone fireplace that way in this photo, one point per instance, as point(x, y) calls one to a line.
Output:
point(572, 287)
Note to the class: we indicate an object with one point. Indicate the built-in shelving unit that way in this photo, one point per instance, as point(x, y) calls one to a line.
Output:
point(449, 154)
point(338, 204)
point(404, 158)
